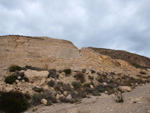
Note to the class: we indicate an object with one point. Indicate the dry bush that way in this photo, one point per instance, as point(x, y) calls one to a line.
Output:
point(80, 76)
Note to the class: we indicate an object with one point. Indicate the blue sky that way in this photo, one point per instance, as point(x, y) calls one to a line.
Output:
point(114, 24)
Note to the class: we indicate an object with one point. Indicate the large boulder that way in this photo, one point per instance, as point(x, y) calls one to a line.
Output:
point(34, 75)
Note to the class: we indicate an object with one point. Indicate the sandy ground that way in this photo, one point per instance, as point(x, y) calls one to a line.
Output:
point(136, 101)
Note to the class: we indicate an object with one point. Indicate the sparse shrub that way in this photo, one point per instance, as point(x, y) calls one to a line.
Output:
point(100, 88)
point(112, 73)
point(87, 85)
point(109, 89)
point(95, 93)
point(82, 94)
point(14, 68)
point(100, 79)
point(11, 79)
point(13, 102)
point(142, 72)
point(58, 87)
point(67, 71)
point(25, 79)
point(37, 97)
point(22, 77)
point(88, 90)
point(39, 90)
point(66, 87)
point(33, 68)
point(74, 94)
point(83, 70)
point(28, 67)
point(119, 97)
point(64, 99)
point(53, 74)
point(92, 71)
point(80, 76)
point(53, 70)
point(76, 85)
point(90, 78)
point(51, 83)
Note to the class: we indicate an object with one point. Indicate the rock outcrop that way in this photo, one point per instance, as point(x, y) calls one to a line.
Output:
point(35, 51)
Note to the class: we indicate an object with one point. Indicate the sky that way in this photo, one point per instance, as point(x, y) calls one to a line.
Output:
point(113, 24)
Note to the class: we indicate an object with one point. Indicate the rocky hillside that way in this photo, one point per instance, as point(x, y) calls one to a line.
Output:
point(134, 59)
point(49, 53)
point(47, 71)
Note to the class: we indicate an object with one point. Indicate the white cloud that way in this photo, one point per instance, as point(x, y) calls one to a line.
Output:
point(117, 24)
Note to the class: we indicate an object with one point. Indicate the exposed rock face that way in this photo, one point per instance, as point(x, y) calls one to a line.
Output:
point(133, 59)
point(35, 51)
point(49, 53)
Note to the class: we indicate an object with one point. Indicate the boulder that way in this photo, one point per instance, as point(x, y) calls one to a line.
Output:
point(44, 101)
point(69, 97)
point(34, 75)
point(125, 88)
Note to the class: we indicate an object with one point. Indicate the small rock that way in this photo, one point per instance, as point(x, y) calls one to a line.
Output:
point(17, 81)
point(65, 93)
point(44, 101)
point(19, 77)
point(42, 81)
point(91, 86)
point(125, 88)
point(69, 97)
point(104, 83)
point(58, 96)
point(46, 87)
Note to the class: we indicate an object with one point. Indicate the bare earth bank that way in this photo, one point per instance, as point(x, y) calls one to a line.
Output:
point(136, 101)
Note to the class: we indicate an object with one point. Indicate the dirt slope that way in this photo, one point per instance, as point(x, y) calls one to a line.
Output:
point(137, 101)
point(134, 59)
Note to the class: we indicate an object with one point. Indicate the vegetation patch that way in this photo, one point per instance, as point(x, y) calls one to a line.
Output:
point(76, 85)
point(14, 68)
point(37, 97)
point(11, 79)
point(80, 76)
point(67, 72)
point(13, 102)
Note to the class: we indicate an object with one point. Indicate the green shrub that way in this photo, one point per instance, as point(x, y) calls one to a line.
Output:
point(58, 87)
point(25, 79)
point(51, 83)
point(119, 97)
point(76, 85)
point(95, 93)
point(14, 68)
point(66, 87)
point(100, 79)
point(52, 74)
point(90, 78)
point(67, 71)
point(80, 76)
point(83, 70)
point(11, 79)
point(13, 102)
point(143, 73)
point(92, 71)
